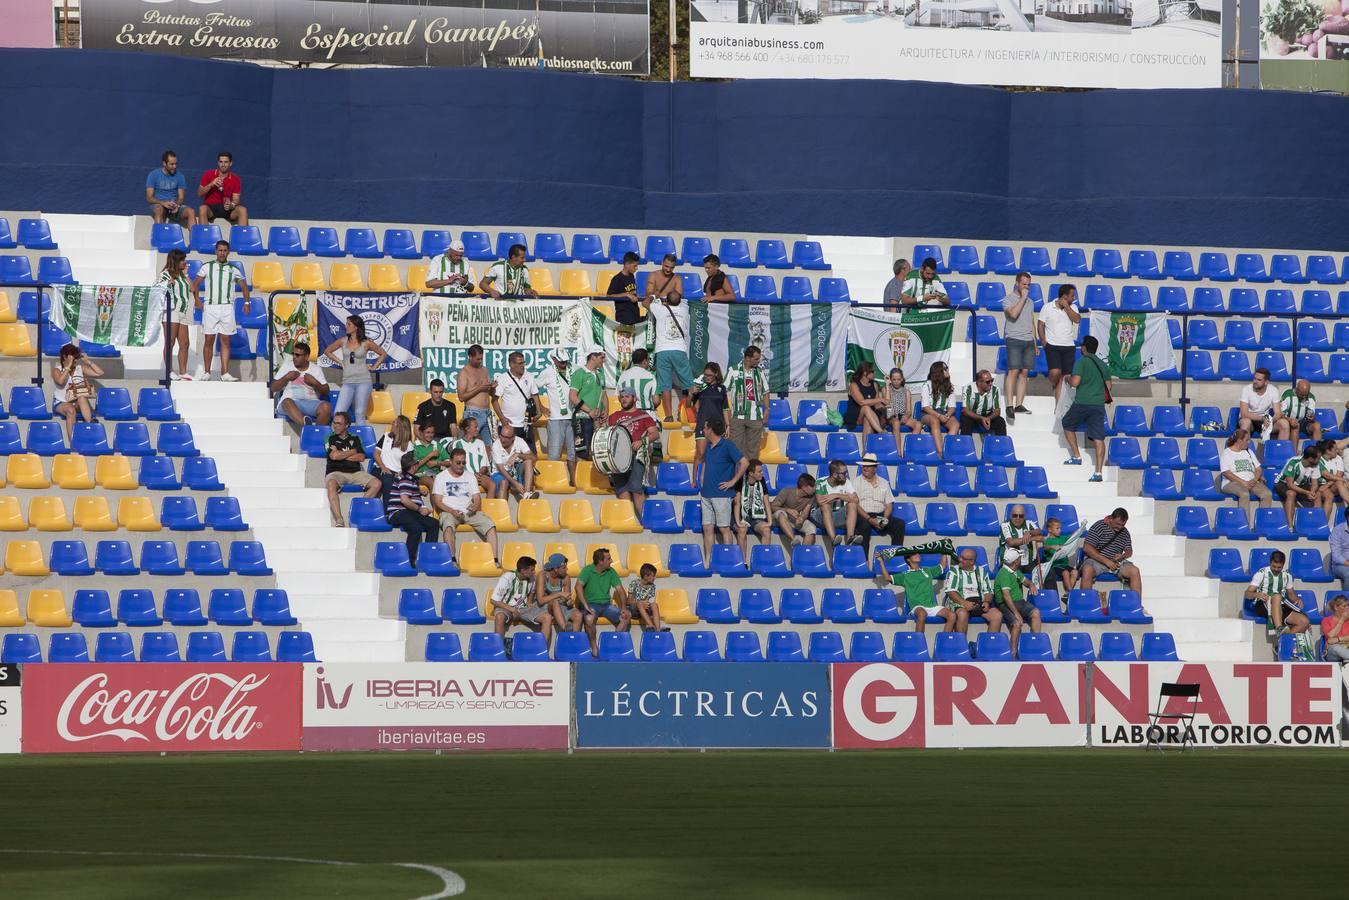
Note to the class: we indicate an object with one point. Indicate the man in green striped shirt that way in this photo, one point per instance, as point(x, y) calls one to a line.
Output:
point(1295, 414)
point(981, 410)
point(969, 591)
point(641, 380)
point(747, 391)
point(509, 277)
point(213, 294)
point(1272, 596)
point(449, 274)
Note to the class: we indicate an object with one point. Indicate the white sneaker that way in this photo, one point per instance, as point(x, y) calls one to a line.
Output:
point(203, 375)
point(174, 376)
point(227, 377)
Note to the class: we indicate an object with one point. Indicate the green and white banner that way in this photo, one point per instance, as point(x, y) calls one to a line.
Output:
point(450, 325)
point(104, 314)
point(803, 344)
point(1133, 344)
point(617, 341)
point(291, 321)
point(910, 341)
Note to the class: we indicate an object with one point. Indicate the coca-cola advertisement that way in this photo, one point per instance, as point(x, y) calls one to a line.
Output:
point(151, 707)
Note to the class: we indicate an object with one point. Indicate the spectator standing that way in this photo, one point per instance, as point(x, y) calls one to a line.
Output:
point(938, 399)
point(74, 391)
point(747, 390)
point(836, 506)
point(178, 299)
point(508, 278)
point(876, 506)
point(449, 275)
point(389, 452)
point(586, 395)
point(644, 432)
point(1335, 629)
point(982, 409)
point(515, 602)
point(969, 591)
point(669, 317)
point(641, 380)
point(166, 192)
point(792, 508)
point(512, 465)
point(918, 584)
point(1019, 534)
point(346, 455)
point(217, 280)
point(923, 288)
point(865, 404)
point(1295, 416)
point(220, 190)
point(1092, 380)
point(1009, 593)
point(1107, 548)
point(457, 496)
point(1256, 408)
point(1018, 333)
point(1339, 552)
point(474, 384)
point(477, 458)
point(556, 593)
point(441, 413)
point(663, 284)
point(1300, 485)
point(723, 467)
point(404, 509)
point(716, 286)
point(600, 595)
point(1058, 334)
point(515, 398)
point(893, 295)
point(708, 395)
point(1241, 472)
point(555, 388)
point(751, 510)
point(899, 409)
point(623, 291)
point(642, 599)
point(1273, 598)
point(304, 389)
point(352, 353)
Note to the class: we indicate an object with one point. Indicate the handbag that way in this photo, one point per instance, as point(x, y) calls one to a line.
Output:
point(531, 406)
point(1105, 380)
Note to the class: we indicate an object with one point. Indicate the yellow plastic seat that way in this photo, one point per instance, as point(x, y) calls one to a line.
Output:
point(6, 311)
point(602, 279)
point(24, 470)
point(500, 512)
point(346, 277)
point(380, 409)
point(612, 400)
point(771, 452)
point(674, 606)
point(137, 514)
point(511, 552)
point(475, 558)
point(537, 516)
point(10, 617)
point(541, 280)
point(14, 340)
point(411, 400)
point(47, 609)
point(268, 276)
point(575, 283)
point(567, 549)
point(386, 277)
point(578, 516)
point(592, 481)
point(25, 558)
point(639, 554)
point(11, 515)
point(307, 276)
point(552, 477)
point(417, 278)
point(114, 473)
point(614, 556)
point(48, 514)
point(619, 517)
point(71, 472)
point(92, 513)
point(682, 447)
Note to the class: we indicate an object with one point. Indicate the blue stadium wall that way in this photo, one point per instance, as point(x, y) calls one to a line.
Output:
point(1231, 168)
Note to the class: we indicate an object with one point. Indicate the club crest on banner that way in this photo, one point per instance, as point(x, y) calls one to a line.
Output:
point(892, 351)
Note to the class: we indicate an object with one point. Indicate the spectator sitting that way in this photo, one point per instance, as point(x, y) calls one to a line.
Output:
point(1009, 593)
point(1295, 416)
point(644, 432)
point(218, 278)
point(865, 405)
point(1300, 484)
point(586, 395)
point(458, 499)
point(477, 458)
point(1016, 533)
point(73, 390)
point(747, 391)
point(166, 192)
point(515, 398)
point(1241, 472)
point(1062, 569)
point(352, 352)
point(836, 506)
point(751, 509)
point(923, 288)
point(555, 389)
point(512, 465)
point(899, 409)
point(792, 508)
point(1092, 380)
point(1273, 583)
point(431, 455)
point(982, 410)
point(508, 278)
point(1058, 335)
point(403, 508)
point(1107, 548)
point(219, 191)
point(709, 397)
point(599, 595)
point(475, 388)
point(969, 591)
point(723, 468)
point(893, 295)
point(876, 506)
point(642, 599)
point(345, 453)
point(1018, 333)
point(1335, 629)
point(556, 592)
point(449, 275)
point(515, 601)
point(1332, 470)
point(1256, 409)
point(641, 380)
point(938, 398)
point(441, 413)
point(391, 448)
point(716, 287)
point(623, 291)
point(917, 582)
point(669, 317)
point(304, 389)
point(1339, 552)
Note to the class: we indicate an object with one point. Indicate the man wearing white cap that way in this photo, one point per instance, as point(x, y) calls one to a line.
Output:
point(449, 274)
point(555, 384)
point(1009, 595)
point(876, 506)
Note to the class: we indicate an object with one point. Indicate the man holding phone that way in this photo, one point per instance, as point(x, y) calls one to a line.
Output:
point(219, 192)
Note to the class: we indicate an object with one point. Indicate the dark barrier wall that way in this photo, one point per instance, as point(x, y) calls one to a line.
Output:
point(1226, 168)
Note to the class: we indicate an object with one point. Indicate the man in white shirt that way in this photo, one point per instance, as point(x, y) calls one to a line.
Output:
point(457, 497)
point(1058, 335)
point(449, 274)
point(304, 390)
point(670, 317)
point(836, 505)
point(876, 506)
point(508, 277)
point(513, 397)
point(213, 294)
point(639, 378)
point(1256, 410)
point(512, 465)
point(555, 387)
point(477, 458)
point(923, 288)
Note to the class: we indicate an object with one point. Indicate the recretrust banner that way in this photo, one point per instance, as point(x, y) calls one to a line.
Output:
point(104, 314)
point(1133, 344)
point(390, 321)
point(910, 341)
point(803, 344)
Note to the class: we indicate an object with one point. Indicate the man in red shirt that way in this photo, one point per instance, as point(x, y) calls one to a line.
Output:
point(219, 192)
point(631, 485)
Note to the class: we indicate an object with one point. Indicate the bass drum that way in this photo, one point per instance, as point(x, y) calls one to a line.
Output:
point(611, 450)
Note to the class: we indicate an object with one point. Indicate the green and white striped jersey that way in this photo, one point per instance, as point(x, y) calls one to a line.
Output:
point(748, 392)
point(969, 584)
point(441, 267)
point(475, 454)
point(178, 293)
point(508, 279)
point(1296, 408)
point(643, 383)
point(217, 283)
point(982, 404)
point(1271, 584)
point(1302, 476)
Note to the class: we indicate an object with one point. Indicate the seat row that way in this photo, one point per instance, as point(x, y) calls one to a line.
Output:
point(159, 646)
point(1200, 453)
point(1303, 564)
point(50, 270)
point(785, 646)
point(71, 558)
point(154, 404)
point(136, 607)
point(91, 439)
point(34, 234)
point(989, 296)
point(70, 471)
point(94, 513)
point(1236, 365)
point(1195, 484)
point(1232, 524)
point(1315, 611)
point(1110, 263)
point(1208, 421)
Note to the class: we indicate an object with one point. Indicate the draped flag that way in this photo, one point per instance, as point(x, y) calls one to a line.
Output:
point(291, 324)
point(390, 321)
point(1133, 344)
point(617, 341)
point(803, 344)
point(910, 341)
point(104, 314)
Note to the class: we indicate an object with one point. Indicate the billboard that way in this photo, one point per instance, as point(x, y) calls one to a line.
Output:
point(1304, 45)
point(1049, 43)
point(152, 707)
point(431, 706)
point(11, 709)
point(741, 705)
point(568, 35)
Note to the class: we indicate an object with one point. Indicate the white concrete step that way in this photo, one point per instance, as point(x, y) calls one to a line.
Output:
point(254, 463)
point(360, 629)
point(1213, 651)
point(293, 537)
point(294, 561)
point(1179, 607)
point(1155, 567)
point(341, 584)
point(256, 498)
point(230, 409)
point(313, 606)
point(209, 393)
point(111, 258)
point(83, 241)
point(272, 517)
point(61, 222)
point(1206, 630)
point(360, 651)
point(246, 427)
point(210, 443)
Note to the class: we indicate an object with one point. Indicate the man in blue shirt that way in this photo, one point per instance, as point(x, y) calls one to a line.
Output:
point(1339, 554)
point(723, 467)
point(165, 190)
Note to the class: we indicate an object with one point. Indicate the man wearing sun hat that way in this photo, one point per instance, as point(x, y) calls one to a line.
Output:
point(1009, 596)
point(449, 274)
point(876, 506)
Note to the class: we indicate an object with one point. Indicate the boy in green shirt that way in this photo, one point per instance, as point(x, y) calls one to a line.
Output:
point(916, 582)
point(1063, 570)
point(1009, 595)
point(431, 457)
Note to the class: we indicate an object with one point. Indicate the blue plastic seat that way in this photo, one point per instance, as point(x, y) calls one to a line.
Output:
point(203, 239)
point(284, 240)
point(166, 236)
point(982, 519)
point(136, 608)
point(1107, 263)
point(1033, 482)
point(204, 558)
point(913, 481)
point(295, 647)
point(959, 449)
point(1001, 260)
point(67, 647)
point(91, 608)
point(692, 518)
point(809, 562)
point(1076, 646)
point(1192, 522)
point(614, 646)
point(131, 439)
point(1164, 452)
point(45, 439)
point(1214, 267)
point(657, 646)
point(1232, 525)
point(701, 646)
point(988, 295)
point(1125, 453)
point(417, 606)
point(1085, 606)
point(954, 480)
point(883, 447)
point(114, 646)
point(1276, 363)
point(28, 403)
point(998, 451)
point(222, 514)
point(89, 439)
point(1159, 646)
point(110, 558)
point(587, 248)
point(734, 252)
point(54, 270)
point(1135, 298)
point(435, 559)
point(157, 474)
point(248, 558)
point(675, 478)
point(1131, 420)
point(1321, 269)
point(958, 292)
point(834, 290)
point(728, 562)
point(250, 646)
point(1035, 261)
point(1051, 610)
point(530, 646)
point(444, 646)
point(783, 646)
point(182, 607)
point(1287, 268)
point(489, 647)
point(984, 330)
point(951, 646)
point(1226, 564)
point(199, 474)
point(20, 648)
point(770, 253)
point(322, 241)
point(713, 605)
point(804, 447)
point(797, 605)
point(851, 562)
point(743, 646)
point(114, 404)
point(686, 561)
point(1160, 484)
point(205, 647)
point(160, 558)
point(944, 520)
point(226, 606)
point(156, 405)
point(842, 446)
point(1308, 565)
point(993, 647)
point(175, 439)
point(460, 607)
point(1117, 646)
point(658, 516)
point(808, 255)
point(1171, 298)
point(392, 561)
point(879, 605)
point(963, 259)
point(1234, 365)
point(1179, 265)
point(1251, 267)
point(246, 240)
point(1272, 525)
point(1127, 608)
point(1239, 334)
point(694, 249)
point(839, 605)
point(756, 607)
point(765, 561)
point(923, 251)
point(1311, 524)
point(477, 246)
point(911, 646)
point(1309, 366)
